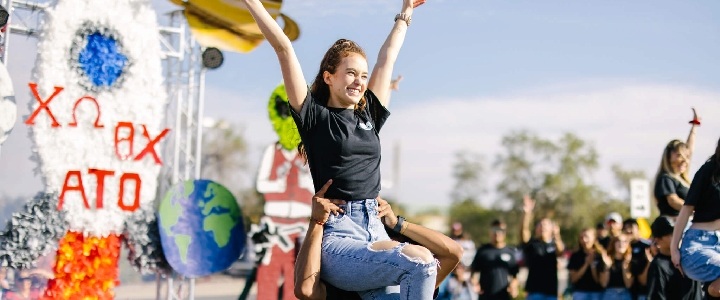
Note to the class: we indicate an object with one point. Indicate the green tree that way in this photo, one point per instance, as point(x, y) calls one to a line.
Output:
point(468, 171)
point(225, 160)
point(554, 173)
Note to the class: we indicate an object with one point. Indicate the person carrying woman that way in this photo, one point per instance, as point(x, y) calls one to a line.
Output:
point(616, 276)
point(307, 268)
point(698, 256)
point(584, 267)
point(339, 120)
point(673, 180)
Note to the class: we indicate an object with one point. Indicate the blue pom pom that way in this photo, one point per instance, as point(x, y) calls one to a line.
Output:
point(101, 60)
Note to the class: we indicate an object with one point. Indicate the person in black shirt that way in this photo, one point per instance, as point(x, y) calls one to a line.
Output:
point(699, 254)
point(616, 276)
point(497, 266)
point(614, 225)
point(641, 258)
point(540, 254)
point(584, 266)
point(308, 285)
point(339, 119)
point(673, 176)
point(665, 282)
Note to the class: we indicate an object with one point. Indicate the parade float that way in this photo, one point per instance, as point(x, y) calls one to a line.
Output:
point(115, 120)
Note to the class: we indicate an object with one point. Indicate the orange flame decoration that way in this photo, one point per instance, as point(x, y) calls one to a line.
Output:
point(86, 268)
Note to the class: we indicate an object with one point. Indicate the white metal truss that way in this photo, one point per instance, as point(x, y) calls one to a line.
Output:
point(185, 84)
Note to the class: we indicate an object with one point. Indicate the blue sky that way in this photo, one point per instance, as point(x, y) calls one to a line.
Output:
point(620, 74)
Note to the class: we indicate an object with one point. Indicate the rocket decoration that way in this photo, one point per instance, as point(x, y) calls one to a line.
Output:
point(286, 184)
point(97, 109)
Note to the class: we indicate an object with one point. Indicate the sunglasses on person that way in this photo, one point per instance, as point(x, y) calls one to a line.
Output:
point(498, 230)
point(24, 279)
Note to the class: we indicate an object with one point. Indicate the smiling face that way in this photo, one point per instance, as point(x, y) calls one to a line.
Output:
point(587, 239)
point(349, 83)
point(679, 160)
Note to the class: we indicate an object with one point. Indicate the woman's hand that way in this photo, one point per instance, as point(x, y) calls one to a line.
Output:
point(408, 5)
point(695, 115)
point(675, 257)
point(590, 258)
point(322, 207)
point(606, 259)
point(386, 214)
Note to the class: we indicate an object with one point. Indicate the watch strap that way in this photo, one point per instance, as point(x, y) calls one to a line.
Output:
point(398, 227)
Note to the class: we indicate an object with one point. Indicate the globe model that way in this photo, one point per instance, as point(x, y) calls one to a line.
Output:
point(201, 228)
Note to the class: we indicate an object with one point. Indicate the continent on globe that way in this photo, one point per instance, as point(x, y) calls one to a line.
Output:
point(201, 228)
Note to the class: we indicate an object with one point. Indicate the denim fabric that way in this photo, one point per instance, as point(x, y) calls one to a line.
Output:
point(700, 255)
point(641, 297)
point(587, 295)
point(540, 297)
point(616, 294)
point(349, 263)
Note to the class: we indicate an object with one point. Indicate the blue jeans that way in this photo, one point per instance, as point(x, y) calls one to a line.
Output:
point(349, 263)
point(700, 255)
point(616, 294)
point(587, 295)
point(540, 297)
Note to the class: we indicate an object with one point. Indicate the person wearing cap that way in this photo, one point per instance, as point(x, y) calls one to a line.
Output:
point(613, 223)
point(497, 266)
point(23, 289)
point(698, 256)
point(541, 254)
point(665, 282)
point(641, 257)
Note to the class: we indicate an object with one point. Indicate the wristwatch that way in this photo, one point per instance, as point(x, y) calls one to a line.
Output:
point(405, 17)
point(399, 225)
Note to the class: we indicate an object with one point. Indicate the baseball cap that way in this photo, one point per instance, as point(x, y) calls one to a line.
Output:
point(614, 216)
point(662, 226)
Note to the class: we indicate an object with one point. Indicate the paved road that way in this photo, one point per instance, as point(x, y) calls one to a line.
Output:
point(229, 288)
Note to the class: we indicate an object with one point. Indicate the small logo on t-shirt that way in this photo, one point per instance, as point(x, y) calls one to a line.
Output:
point(505, 257)
point(365, 126)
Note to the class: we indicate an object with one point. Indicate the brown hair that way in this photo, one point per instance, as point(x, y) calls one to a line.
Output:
point(595, 245)
point(612, 250)
point(332, 59)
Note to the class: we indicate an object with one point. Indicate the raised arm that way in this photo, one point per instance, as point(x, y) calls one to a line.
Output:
point(295, 84)
point(691, 137)
point(528, 206)
point(381, 77)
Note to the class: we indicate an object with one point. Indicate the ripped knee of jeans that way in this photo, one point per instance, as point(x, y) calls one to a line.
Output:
point(418, 254)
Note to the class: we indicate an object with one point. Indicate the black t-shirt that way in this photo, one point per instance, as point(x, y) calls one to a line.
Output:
point(637, 266)
point(586, 283)
point(495, 265)
point(541, 261)
point(704, 194)
point(664, 186)
point(605, 241)
point(343, 145)
point(666, 283)
point(616, 275)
